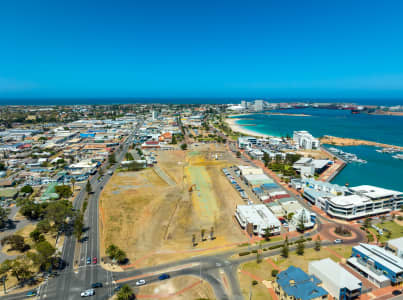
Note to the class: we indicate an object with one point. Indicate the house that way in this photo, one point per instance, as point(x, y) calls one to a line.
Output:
point(340, 283)
point(295, 284)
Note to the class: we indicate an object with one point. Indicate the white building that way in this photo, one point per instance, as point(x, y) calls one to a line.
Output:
point(305, 140)
point(259, 105)
point(396, 246)
point(304, 215)
point(260, 218)
point(365, 201)
point(246, 142)
point(340, 283)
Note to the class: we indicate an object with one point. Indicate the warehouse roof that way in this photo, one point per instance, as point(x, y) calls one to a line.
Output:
point(336, 274)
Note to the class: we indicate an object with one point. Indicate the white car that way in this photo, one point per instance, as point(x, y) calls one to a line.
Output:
point(140, 282)
point(88, 293)
point(338, 241)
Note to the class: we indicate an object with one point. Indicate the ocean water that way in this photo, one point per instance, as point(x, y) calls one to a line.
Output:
point(381, 170)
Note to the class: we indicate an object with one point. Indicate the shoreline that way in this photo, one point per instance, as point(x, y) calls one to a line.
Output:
point(238, 128)
point(340, 141)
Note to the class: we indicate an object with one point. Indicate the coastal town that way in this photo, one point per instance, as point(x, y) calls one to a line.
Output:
point(181, 202)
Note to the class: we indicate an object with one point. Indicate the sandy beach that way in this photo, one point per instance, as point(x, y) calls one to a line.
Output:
point(239, 128)
point(339, 141)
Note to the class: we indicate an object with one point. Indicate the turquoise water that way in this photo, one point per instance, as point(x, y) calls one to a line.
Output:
point(381, 170)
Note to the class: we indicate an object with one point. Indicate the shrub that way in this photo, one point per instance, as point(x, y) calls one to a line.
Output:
point(275, 247)
point(254, 282)
point(274, 272)
point(254, 251)
point(244, 253)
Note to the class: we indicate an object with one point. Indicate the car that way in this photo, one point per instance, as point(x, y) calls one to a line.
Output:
point(163, 276)
point(338, 241)
point(88, 293)
point(94, 260)
point(96, 285)
point(31, 293)
point(140, 282)
point(117, 288)
point(396, 293)
point(88, 260)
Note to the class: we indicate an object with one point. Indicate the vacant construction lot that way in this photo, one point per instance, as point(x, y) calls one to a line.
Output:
point(153, 219)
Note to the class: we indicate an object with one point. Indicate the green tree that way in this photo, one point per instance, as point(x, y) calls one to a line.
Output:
point(73, 182)
point(266, 159)
point(202, 233)
point(318, 244)
point(300, 247)
point(88, 187)
point(43, 226)
point(43, 256)
point(285, 249)
point(59, 212)
point(5, 267)
point(79, 226)
point(173, 141)
point(16, 242)
point(301, 224)
point(27, 189)
point(112, 159)
point(266, 234)
point(36, 236)
point(20, 269)
point(3, 217)
point(238, 154)
point(64, 191)
point(125, 293)
point(184, 146)
point(120, 256)
point(111, 250)
point(367, 222)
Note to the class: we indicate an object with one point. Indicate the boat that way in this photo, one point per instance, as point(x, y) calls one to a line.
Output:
point(398, 156)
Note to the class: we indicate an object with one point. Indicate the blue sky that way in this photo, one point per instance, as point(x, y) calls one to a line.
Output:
point(201, 48)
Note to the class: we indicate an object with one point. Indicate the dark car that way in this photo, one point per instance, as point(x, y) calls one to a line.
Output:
point(96, 285)
point(117, 288)
point(396, 293)
point(163, 277)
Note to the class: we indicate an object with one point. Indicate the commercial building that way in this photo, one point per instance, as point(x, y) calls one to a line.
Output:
point(246, 141)
point(340, 283)
point(256, 218)
point(396, 246)
point(295, 284)
point(307, 166)
point(377, 264)
point(305, 140)
point(259, 105)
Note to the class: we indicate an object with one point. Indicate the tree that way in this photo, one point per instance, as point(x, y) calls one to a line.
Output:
point(274, 272)
point(58, 212)
point(111, 250)
point(16, 242)
point(173, 141)
point(36, 236)
point(116, 253)
point(285, 250)
point(367, 222)
point(383, 219)
point(73, 182)
point(20, 269)
point(5, 267)
point(318, 244)
point(64, 191)
point(266, 159)
point(43, 226)
point(78, 226)
point(184, 147)
point(238, 154)
point(266, 234)
point(202, 232)
point(125, 293)
point(43, 257)
point(300, 247)
point(27, 189)
point(120, 256)
point(3, 217)
point(258, 257)
point(88, 187)
point(112, 159)
point(301, 224)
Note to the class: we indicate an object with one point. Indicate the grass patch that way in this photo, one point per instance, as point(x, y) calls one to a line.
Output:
point(395, 229)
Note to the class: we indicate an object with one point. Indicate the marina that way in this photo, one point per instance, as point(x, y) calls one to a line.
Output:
point(346, 156)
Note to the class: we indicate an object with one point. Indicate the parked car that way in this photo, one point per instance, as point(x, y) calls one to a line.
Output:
point(88, 260)
point(140, 282)
point(94, 260)
point(31, 293)
point(88, 293)
point(96, 285)
point(117, 288)
point(163, 277)
point(338, 241)
point(396, 293)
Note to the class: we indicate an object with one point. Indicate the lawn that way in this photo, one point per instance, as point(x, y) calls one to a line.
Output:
point(395, 229)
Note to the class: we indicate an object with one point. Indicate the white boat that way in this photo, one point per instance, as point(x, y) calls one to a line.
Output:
point(398, 156)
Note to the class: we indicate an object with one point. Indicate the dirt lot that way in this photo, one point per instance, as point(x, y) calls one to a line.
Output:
point(154, 222)
point(184, 288)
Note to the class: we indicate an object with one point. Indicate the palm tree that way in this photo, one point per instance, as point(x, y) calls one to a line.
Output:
point(125, 293)
point(203, 231)
point(73, 182)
